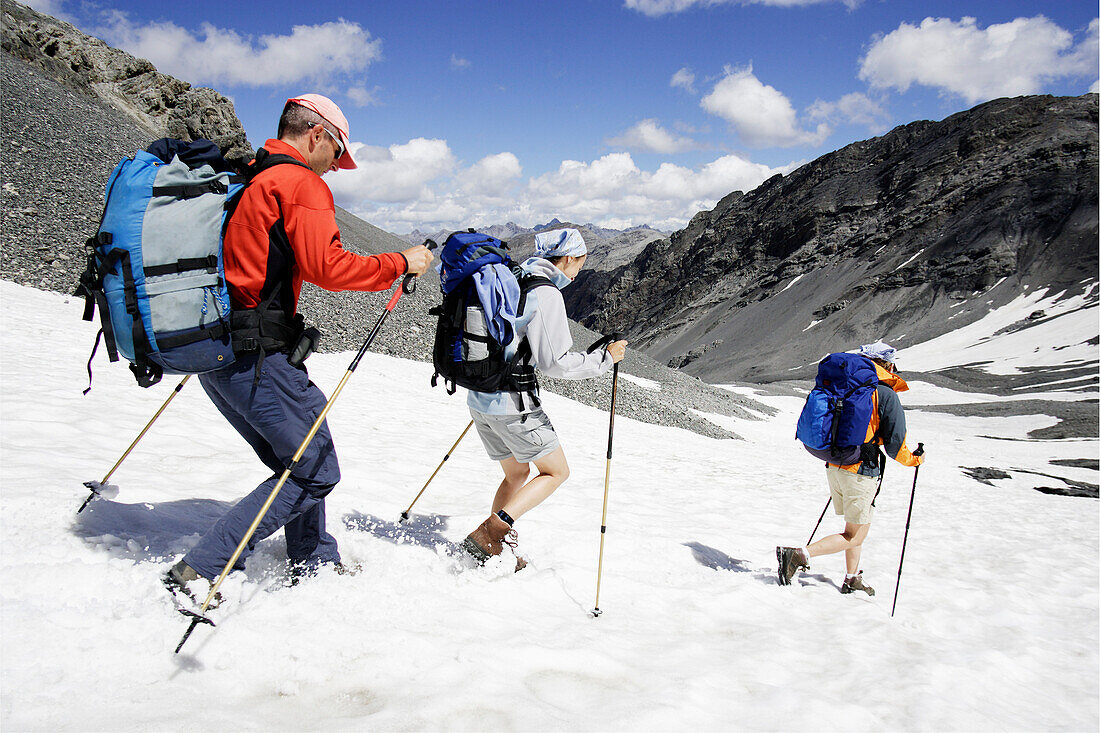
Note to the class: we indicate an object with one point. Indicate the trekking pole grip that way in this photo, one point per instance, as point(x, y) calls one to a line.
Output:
point(920, 450)
point(408, 285)
point(605, 340)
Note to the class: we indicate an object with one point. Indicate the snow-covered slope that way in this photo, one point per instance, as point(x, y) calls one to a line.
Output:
point(996, 628)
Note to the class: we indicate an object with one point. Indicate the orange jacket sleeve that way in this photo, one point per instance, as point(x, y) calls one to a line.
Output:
point(310, 221)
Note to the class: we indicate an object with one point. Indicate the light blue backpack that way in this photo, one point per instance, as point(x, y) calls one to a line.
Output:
point(154, 266)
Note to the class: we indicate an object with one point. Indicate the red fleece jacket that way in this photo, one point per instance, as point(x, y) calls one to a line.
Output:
point(294, 200)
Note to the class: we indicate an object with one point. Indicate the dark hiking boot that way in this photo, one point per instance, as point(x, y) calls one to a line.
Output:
point(341, 569)
point(299, 571)
point(851, 585)
point(791, 560)
point(177, 578)
point(487, 540)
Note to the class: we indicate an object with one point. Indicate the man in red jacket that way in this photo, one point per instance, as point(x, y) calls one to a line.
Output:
point(283, 233)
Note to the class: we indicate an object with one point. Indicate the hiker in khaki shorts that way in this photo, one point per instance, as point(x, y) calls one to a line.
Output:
point(853, 487)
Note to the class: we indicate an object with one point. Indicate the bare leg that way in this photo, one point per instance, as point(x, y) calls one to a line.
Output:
point(850, 542)
point(553, 471)
point(515, 475)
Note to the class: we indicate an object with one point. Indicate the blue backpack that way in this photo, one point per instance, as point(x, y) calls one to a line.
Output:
point(469, 349)
point(154, 266)
point(834, 420)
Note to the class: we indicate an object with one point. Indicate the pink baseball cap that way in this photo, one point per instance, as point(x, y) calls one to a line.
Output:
point(327, 108)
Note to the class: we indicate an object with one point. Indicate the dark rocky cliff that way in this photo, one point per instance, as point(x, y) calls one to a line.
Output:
point(160, 104)
point(883, 235)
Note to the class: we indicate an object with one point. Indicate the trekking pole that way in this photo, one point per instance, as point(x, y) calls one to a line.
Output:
point(405, 514)
point(881, 475)
point(918, 452)
point(408, 285)
point(827, 502)
point(94, 486)
point(614, 336)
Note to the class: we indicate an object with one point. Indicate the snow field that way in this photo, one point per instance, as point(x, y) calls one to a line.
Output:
point(996, 628)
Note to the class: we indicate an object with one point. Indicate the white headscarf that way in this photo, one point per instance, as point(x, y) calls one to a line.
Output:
point(879, 350)
point(560, 243)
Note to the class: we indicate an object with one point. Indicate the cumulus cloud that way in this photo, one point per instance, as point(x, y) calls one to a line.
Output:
point(363, 97)
point(959, 57)
point(493, 176)
point(761, 115)
point(648, 136)
point(49, 7)
point(855, 108)
point(655, 8)
point(420, 186)
point(396, 173)
point(684, 78)
point(313, 53)
point(459, 63)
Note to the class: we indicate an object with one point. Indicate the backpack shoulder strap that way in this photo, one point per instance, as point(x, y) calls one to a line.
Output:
point(527, 283)
point(265, 160)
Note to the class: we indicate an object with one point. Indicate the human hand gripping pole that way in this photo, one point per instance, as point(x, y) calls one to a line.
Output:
point(916, 469)
point(408, 285)
point(603, 343)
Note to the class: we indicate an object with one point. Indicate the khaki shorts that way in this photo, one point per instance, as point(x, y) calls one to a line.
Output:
point(512, 436)
point(852, 494)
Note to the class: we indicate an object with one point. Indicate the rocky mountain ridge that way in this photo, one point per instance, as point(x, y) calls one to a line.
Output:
point(876, 240)
point(160, 104)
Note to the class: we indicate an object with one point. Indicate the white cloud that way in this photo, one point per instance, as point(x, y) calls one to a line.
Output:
point(852, 108)
point(459, 63)
point(418, 186)
point(396, 173)
point(363, 97)
point(311, 53)
point(655, 8)
point(493, 175)
point(958, 57)
point(760, 114)
point(683, 78)
point(648, 136)
point(49, 7)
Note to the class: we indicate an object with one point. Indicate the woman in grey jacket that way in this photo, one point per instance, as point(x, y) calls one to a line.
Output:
point(516, 432)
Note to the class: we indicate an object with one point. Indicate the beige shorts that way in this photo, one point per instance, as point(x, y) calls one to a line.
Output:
point(523, 437)
point(852, 494)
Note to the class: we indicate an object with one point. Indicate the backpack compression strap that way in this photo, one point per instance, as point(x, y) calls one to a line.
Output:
point(521, 373)
point(839, 408)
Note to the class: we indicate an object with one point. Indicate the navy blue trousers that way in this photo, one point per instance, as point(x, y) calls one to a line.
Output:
point(274, 416)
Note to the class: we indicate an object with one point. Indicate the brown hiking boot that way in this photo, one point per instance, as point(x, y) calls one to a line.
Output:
point(487, 540)
point(791, 560)
point(851, 585)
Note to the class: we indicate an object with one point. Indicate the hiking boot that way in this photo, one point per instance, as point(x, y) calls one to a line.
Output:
point(299, 571)
point(177, 578)
point(487, 540)
point(791, 560)
point(851, 585)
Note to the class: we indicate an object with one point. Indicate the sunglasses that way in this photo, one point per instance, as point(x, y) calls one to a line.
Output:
point(339, 145)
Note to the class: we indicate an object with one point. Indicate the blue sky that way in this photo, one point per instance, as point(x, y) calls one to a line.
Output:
point(616, 112)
